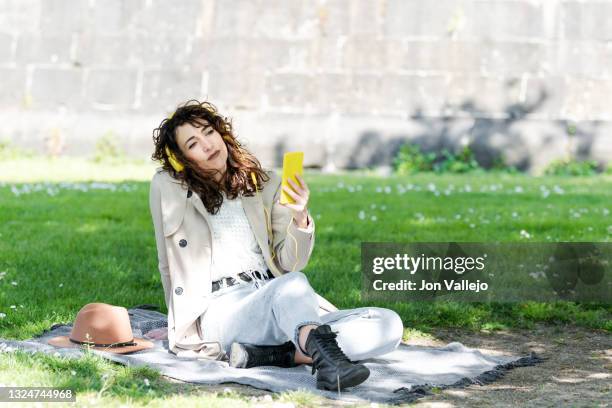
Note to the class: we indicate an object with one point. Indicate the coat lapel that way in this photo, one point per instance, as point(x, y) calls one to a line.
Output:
point(254, 210)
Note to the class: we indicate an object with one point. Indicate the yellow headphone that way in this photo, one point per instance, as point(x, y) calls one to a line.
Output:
point(176, 165)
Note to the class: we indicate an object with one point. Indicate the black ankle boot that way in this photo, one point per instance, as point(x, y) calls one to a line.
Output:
point(244, 355)
point(334, 369)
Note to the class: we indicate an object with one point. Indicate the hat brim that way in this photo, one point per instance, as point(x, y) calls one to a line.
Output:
point(64, 341)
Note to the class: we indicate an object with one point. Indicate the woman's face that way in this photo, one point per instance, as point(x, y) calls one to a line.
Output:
point(203, 146)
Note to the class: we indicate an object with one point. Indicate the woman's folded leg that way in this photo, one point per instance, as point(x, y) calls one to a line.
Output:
point(365, 332)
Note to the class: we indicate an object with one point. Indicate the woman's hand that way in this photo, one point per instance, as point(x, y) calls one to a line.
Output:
point(300, 195)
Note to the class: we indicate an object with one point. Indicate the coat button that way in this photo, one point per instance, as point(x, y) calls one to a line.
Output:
point(183, 243)
point(189, 193)
point(178, 291)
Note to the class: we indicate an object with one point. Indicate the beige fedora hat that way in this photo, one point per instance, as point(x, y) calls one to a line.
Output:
point(102, 327)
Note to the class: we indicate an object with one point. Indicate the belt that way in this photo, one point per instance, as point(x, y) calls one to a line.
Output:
point(227, 282)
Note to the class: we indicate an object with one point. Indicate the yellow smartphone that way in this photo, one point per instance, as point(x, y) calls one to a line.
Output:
point(292, 165)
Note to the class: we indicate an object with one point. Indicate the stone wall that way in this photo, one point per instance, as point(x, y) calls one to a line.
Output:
point(347, 81)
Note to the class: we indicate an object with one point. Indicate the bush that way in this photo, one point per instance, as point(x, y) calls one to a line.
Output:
point(410, 160)
point(9, 152)
point(462, 162)
point(107, 149)
point(571, 168)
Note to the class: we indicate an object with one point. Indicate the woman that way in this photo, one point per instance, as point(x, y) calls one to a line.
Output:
point(230, 258)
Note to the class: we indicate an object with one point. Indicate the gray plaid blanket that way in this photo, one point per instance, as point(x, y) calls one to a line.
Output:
point(403, 375)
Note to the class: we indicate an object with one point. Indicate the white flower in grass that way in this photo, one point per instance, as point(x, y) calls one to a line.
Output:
point(514, 214)
point(146, 381)
point(60, 285)
point(387, 189)
point(14, 283)
point(373, 218)
point(472, 226)
point(467, 188)
point(373, 206)
point(457, 216)
point(72, 372)
point(525, 234)
point(605, 211)
point(518, 189)
point(2, 315)
point(13, 307)
point(362, 215)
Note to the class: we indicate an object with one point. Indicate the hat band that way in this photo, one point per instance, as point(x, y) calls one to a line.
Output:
point(89, 343)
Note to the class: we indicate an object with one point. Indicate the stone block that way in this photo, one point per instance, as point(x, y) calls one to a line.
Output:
point(581, 58)
point(432, 55)
point(511, 58)
point(586, 20)
point(587, 99)
point(108, 89)
point(22, 16)
point(164, 90)
point(333, 16)
point(116, 16)
point(366, 17)
point(239, 89)
point(64, 17)
point(365, 53)
point(162, 18)
point(12, 83)
point(422, 18)
point(7, 53)
point(413, 95)
point(505, 20)
point(291, 91)
point(56, 86)
point(43, 49)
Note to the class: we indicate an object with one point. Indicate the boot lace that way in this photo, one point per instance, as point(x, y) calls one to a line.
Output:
point(329, 347)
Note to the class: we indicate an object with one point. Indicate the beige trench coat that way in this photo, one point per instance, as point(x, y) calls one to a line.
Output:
point(184, 248)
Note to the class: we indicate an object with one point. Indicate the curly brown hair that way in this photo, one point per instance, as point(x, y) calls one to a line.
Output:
point(240, 162)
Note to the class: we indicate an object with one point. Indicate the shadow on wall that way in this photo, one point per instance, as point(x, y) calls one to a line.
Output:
point(526, 143)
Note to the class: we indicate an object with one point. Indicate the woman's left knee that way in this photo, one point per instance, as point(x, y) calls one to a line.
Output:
point(391, 323)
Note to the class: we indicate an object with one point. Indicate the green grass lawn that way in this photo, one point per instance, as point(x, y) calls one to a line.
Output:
point(87, 236)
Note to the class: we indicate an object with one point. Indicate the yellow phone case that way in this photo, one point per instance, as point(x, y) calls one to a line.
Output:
point(292, 165)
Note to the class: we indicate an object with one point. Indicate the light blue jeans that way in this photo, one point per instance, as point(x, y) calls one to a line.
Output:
point(274, 312)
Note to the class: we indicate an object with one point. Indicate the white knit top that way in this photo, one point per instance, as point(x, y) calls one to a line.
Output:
point(235, 248)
